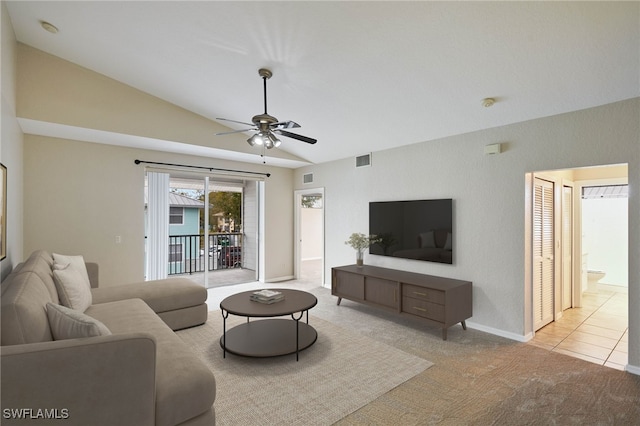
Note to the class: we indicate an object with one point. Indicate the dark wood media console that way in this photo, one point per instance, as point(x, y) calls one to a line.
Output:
point(439, 301)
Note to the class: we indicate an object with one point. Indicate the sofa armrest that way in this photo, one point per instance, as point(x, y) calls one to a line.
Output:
point(106, 380)
point(92, 271)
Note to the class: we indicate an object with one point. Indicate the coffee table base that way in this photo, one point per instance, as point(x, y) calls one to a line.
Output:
point(268, 338)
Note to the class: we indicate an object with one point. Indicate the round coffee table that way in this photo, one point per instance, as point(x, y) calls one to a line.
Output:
point(268, 337)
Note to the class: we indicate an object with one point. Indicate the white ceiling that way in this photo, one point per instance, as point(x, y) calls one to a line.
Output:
point(358, 76)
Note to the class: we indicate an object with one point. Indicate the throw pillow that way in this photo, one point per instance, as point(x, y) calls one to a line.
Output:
point(67, 323)
point(60, 261)
point(72, 283)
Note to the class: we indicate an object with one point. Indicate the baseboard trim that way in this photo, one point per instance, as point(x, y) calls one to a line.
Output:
point(501, 333)
point(632, 369)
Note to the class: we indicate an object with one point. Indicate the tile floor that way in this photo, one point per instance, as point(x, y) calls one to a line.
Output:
point(596, 332)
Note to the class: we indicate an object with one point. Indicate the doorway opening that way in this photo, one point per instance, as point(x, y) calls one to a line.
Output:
point(309, 250)
point(587, 227)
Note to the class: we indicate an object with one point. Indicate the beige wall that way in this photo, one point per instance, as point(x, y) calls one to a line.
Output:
point(53, 90)
point(79, 196)
point(489, 202)
point(11, 150)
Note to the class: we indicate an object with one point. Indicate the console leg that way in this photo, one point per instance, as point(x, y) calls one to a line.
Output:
point(339, 300)
point(444, 333)
point(464, 325)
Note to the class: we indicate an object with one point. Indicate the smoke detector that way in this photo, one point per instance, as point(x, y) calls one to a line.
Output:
point(49, 27)
point(487, 102)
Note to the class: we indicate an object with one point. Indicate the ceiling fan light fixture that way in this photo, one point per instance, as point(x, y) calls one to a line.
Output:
point(273, 141)
point(256, 139)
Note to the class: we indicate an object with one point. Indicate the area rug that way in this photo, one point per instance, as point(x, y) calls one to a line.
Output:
point(340, 373)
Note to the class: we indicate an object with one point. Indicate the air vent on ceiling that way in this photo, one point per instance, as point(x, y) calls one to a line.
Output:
point(363, 160)
point(307, 178)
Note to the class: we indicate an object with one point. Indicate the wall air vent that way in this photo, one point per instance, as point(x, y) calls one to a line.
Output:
point(363, 160)
point(307, 178)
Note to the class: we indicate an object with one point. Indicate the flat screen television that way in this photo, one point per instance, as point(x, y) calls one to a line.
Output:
point(414, 229)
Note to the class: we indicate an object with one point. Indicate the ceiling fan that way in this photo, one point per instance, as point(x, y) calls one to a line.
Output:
point(267, 125)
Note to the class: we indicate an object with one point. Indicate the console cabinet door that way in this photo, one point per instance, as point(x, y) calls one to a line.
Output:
point(350, 286)
point(381, 292)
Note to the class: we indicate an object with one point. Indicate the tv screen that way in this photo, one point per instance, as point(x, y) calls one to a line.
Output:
point(416, 229)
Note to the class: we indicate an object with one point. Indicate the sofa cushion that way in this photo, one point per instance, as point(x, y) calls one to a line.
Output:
point(161, 295)
point(185, 387)
point(25, 293)
point(74, 290)
point(67, 323)
point(40, 262)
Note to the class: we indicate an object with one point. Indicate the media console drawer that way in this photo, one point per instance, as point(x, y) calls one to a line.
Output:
point(437, 300)
point(424, 309)
point(422, 293)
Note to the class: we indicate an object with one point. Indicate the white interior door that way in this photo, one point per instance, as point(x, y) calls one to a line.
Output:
point(543, 253)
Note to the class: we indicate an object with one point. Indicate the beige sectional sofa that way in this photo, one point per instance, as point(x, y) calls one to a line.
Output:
point(137, 372)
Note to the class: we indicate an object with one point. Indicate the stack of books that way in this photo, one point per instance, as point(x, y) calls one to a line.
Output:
point(267, 296)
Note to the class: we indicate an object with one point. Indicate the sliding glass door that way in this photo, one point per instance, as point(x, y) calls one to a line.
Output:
point(212, 229)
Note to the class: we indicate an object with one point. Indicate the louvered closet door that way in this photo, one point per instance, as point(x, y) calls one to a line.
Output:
point(542, 253)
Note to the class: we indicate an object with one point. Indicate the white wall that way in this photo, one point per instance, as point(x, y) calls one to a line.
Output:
point(489, 200)
point(605, 238)
point(11, 151)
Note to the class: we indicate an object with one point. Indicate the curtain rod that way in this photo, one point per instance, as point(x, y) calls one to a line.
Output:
point(211, 169)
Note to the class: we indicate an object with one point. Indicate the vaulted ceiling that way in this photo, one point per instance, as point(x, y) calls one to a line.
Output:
point(358, 76)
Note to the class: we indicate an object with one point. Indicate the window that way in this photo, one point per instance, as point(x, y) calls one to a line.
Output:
point(176, 216)
point(605, 191)
point(175, 252)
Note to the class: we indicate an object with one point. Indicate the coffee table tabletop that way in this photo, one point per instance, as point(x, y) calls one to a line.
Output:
point(294, 301)
point(273, 336)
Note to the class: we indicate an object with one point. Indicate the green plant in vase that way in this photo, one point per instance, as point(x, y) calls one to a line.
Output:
point(360, 242)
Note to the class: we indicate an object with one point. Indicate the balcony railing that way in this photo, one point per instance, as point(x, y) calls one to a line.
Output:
point(187, 253)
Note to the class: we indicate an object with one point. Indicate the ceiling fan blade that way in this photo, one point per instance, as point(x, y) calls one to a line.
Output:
point(295, 136)
point(234, 121)
point(235, 131)
point(285, 125)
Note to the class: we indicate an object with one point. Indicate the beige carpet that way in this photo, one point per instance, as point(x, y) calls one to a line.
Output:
point(481, 379)
point(339, 374)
